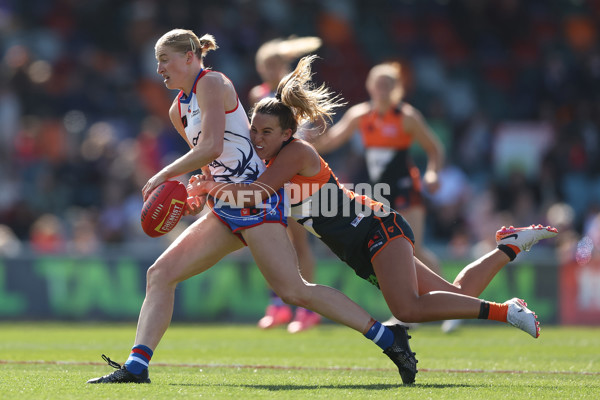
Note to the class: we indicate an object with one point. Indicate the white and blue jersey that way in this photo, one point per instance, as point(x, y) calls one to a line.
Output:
point(238, 163)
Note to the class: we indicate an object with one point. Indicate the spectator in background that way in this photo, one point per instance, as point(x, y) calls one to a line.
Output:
point(591, 225)
point(448, 206)
point(10, 245)
point(47, 235)
point(84, 237)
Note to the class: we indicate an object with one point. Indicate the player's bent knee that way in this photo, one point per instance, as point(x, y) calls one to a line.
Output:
point(295, 297)
point(159, 274)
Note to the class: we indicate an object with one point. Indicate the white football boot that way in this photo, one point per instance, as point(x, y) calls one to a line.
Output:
point(524, 238)
point(521, 317)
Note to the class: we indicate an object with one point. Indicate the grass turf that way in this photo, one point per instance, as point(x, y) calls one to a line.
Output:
point(491, 361)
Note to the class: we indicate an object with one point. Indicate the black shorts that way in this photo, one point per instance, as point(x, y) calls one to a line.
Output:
point(361, 249)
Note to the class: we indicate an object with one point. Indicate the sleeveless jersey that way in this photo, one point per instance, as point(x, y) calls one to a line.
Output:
point(383, 138)
point(238, 162)
point(324, 206)
point(387, 156)
point(355, 227)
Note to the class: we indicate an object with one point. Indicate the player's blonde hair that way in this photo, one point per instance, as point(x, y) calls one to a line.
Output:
point(184, 40)
point(392, 70)
point(297, 101)
point(287, 50)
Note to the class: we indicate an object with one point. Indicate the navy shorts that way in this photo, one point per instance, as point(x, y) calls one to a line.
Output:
point(272, 210)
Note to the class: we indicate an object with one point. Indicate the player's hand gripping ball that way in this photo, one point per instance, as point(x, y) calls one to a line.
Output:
point(164, 208)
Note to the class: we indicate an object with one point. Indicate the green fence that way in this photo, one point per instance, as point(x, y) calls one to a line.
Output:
point(112, 288)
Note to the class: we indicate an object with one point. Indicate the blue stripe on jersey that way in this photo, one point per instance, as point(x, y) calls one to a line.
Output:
point(186, 99)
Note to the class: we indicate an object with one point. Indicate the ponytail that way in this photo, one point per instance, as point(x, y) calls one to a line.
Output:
point(311, 104)
point(297, 103)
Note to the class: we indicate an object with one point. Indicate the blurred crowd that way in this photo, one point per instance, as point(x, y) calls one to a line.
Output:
point(511, 87)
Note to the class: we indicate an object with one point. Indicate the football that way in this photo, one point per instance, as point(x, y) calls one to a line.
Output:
point(164, 208)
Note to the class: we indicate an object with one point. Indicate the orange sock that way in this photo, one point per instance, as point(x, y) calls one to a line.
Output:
point(498, 311)
point(514, 248)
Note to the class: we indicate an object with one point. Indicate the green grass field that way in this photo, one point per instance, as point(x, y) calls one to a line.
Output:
point(480, 361)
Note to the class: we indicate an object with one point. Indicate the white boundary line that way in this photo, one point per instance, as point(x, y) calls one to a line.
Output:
point(284, 367)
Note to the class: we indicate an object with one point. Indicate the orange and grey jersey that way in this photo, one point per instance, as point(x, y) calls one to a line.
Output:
point(238, 162)
point(355, 227)
point(387, 156)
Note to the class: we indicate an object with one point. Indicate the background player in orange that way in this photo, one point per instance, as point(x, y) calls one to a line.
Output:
point(273, 62)
point(388, 127)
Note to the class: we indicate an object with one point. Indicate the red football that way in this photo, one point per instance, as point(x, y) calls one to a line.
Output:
point(164, 208)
